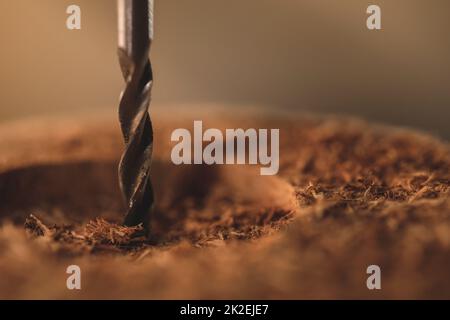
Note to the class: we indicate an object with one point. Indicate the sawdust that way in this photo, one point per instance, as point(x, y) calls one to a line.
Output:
point(96, 235)
point(348, 195)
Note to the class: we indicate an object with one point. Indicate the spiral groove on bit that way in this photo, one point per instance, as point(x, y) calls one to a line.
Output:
point(134, 168)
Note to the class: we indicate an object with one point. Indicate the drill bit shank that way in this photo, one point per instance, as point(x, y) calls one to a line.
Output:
point(135, 37)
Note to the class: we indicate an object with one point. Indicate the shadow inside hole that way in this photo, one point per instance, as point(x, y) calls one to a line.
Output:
point(79, 191)
point(186, 196)
point(63, 193)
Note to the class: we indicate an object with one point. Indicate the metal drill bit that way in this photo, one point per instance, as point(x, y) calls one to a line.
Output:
point(135, 37)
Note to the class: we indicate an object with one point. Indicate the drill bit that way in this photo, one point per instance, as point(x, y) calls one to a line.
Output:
point(135, 37)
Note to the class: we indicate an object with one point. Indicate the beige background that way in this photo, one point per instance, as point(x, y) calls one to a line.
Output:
point(314, 55)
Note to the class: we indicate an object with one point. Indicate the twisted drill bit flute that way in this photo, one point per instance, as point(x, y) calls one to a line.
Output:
point(135, 37)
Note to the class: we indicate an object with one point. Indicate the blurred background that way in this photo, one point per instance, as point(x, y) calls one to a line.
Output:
point(312, 55)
